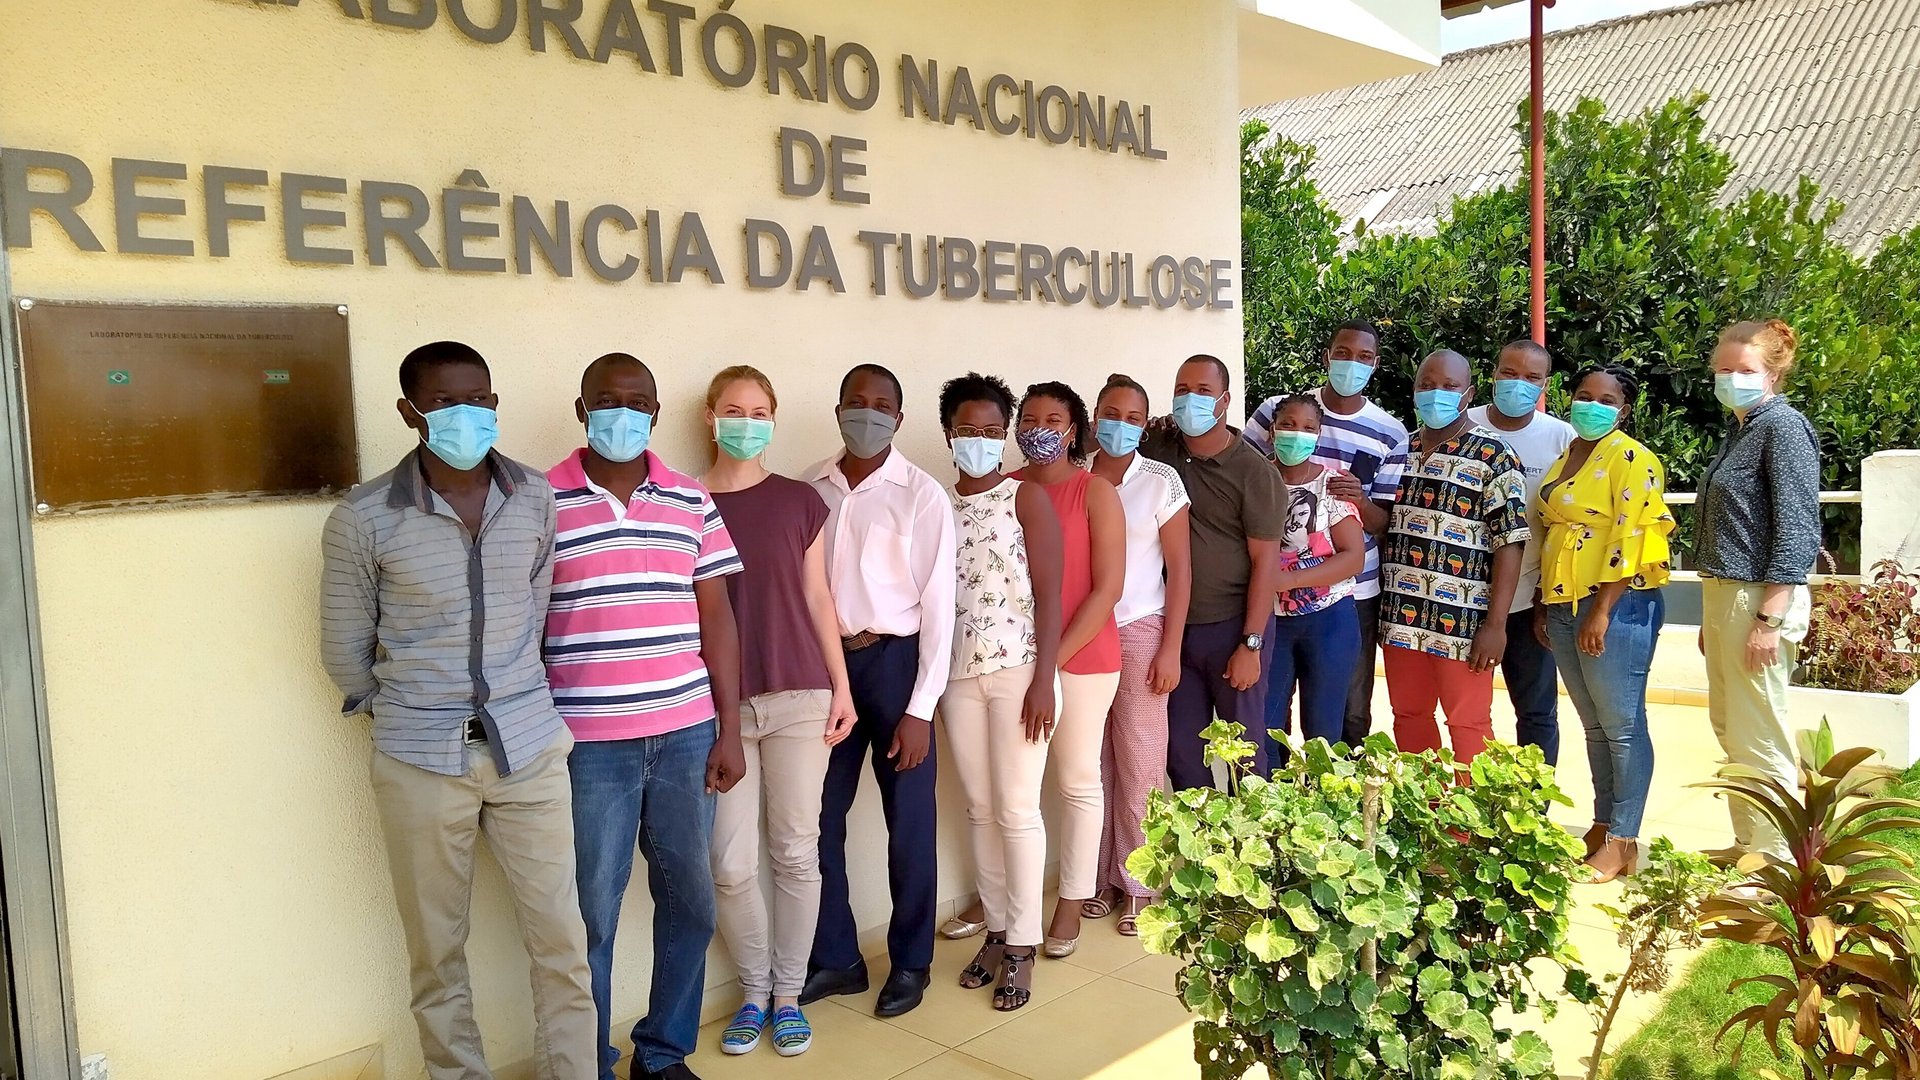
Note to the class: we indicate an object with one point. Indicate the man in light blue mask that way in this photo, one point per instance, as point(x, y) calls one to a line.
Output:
point(1237, 518)
point(1448, 567)
point(1363, 447)
point(1537, 438)
point(644, 660)
point(436, 585)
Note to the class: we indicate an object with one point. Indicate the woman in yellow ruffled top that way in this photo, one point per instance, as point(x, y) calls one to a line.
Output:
point(1602, 564)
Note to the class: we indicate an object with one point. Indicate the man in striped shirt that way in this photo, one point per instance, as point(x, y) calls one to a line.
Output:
point(435, 586)
point(644, 661)
point(1364, 448)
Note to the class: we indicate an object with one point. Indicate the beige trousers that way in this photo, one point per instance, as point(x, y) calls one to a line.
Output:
point(785, 738)
point(1000, 772)
point(1075, 762)
point(431, 823)
point(1749, 711)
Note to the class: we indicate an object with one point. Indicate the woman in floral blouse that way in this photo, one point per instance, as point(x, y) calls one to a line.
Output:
point(1600, 609)
point(1003, 692)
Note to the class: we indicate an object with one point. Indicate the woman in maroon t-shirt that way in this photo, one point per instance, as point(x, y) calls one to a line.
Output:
point(794, 706)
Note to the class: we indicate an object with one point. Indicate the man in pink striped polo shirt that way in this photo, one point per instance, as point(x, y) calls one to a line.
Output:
point(643, 658)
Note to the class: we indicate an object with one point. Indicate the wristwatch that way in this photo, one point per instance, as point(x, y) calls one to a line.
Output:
point(1773, 622)
point(1253, 642)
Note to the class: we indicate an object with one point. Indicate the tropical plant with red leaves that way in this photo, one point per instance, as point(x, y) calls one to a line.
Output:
point(1861, 636)
point(1842, 913)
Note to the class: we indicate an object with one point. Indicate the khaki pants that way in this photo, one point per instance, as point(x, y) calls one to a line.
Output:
point(1749, 711)
point(431, 823)
point(785, 738)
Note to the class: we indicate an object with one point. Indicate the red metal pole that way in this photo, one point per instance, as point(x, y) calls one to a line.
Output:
point(1536, 166)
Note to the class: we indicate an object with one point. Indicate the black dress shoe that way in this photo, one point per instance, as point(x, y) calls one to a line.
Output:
point(902, 994)
point(676, 1071)
point(832, 982)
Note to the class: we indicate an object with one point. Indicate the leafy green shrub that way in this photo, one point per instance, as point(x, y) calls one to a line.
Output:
point(1364, 915)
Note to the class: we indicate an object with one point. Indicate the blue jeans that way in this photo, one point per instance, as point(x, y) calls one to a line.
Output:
point(1317, 652)
point(651, 792)
point(1528, 668)
point(1609, 692)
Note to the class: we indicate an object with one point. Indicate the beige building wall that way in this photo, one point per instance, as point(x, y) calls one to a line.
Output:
point(229, 908)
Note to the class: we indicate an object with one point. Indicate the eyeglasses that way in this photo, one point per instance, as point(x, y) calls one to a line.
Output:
point(999, 434)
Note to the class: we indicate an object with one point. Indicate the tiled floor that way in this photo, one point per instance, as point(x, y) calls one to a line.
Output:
point(1110, 1013)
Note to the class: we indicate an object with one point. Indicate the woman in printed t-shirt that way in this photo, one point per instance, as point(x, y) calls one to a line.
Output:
point(1317, 633)
point(794, 706)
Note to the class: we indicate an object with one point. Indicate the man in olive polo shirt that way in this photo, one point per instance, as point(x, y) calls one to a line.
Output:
point(1238, 519)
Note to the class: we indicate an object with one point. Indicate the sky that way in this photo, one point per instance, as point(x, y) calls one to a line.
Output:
point(1510, 22)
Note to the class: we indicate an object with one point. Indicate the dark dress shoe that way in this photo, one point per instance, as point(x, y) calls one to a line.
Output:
point(832, 982)
point(676, 1071)
point(902, 994)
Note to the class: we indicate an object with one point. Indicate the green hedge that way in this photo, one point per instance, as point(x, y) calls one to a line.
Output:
point(1649, 256)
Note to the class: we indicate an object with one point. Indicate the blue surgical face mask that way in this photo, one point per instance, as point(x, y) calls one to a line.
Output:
point(1348, 377)
point(461, 435)
point(1516, 398)
point(1117, 437)
point(1740, 390)
point(978, 456)
point(1194, 413)
point(1437, 408)
point(1591, 419)
point(619, 434)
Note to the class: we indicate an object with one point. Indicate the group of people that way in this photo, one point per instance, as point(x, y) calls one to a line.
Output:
point(616, 655)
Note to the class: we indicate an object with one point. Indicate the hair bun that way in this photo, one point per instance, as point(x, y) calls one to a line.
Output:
point(1787, 337)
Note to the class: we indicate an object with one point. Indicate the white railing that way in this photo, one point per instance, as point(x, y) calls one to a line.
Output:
point(1827, 498)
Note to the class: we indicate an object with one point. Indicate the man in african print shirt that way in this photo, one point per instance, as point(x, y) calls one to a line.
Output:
point(1449, 566)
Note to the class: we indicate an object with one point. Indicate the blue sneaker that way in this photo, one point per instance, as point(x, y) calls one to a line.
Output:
point(792, 1035)
point(743, 1035)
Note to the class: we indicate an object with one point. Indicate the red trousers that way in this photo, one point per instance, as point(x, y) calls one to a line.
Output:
point(1417, 682)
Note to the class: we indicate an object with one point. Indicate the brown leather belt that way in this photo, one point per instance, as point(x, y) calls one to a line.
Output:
point(865, 639)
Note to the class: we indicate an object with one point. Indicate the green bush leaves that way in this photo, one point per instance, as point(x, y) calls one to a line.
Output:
point(1363, 913)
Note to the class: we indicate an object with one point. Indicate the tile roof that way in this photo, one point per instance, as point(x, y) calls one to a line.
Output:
point(1828, 88)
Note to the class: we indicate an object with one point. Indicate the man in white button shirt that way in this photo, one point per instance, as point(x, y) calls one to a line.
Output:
point(890, 565)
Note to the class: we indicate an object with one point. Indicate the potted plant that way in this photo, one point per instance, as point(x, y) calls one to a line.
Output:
point(1365, 914)
point(1858, 669)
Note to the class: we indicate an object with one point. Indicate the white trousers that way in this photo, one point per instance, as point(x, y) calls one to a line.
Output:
point(1077, 745)
point(1000, 772)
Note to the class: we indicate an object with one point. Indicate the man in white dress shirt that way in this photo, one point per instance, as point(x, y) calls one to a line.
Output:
point(890, 564)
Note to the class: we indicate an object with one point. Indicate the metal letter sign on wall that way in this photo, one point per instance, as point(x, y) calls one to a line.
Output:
point(131, 404)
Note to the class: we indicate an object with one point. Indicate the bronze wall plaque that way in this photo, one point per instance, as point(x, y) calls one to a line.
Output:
point(130, 404)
